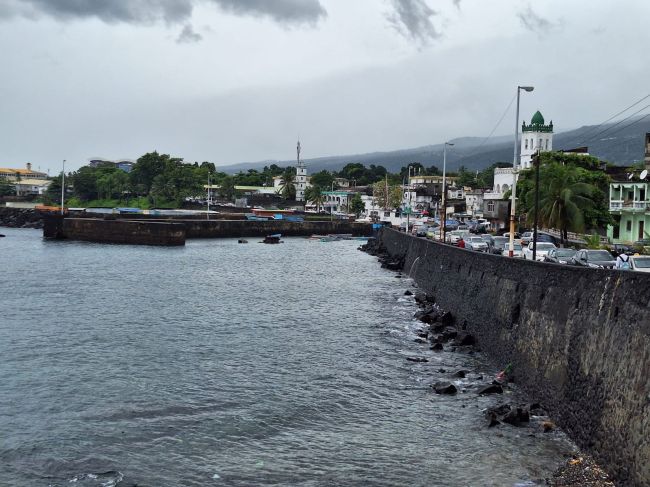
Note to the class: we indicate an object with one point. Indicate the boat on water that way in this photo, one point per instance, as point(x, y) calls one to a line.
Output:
point(272, 239)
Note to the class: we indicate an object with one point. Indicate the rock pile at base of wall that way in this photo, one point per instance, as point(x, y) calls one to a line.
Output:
point(578, 339)
point(20, 218)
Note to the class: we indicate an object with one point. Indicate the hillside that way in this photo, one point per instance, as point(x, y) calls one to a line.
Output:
point(618, 144)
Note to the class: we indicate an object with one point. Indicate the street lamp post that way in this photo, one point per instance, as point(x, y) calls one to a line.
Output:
point(511, 246)
point(536, 162)
point(209, 194)
point(443, 212)
point(62, 186)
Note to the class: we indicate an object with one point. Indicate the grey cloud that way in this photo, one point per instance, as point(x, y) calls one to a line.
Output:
point(534, 22)
point(188, 35)
point(457, 4)
point(413, 19)
point(170, 11)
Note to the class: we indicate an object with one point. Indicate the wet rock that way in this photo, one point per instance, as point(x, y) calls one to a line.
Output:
point(461, 373)
point(422, 298)
point(398, 276)
point(491, 389)
point(416, 359)
point(393, 265)
point(517, 416)
point(449, 333)
point(437, 327)
point(548, 426)
point(536, 409)
point(442, 371)
point(465, 339)
point(420, 340)
point(447, 319)
point(422, 333)
point(493, 419)
point(444, 388)
point(408, 293)
point(437, 347)
point(242, 241)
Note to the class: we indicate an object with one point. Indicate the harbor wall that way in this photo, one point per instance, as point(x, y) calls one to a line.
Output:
point(114, 231)
point(578, 339)
point(245, 228)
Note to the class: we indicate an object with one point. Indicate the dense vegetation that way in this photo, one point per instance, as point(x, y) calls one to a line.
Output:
point(159, 180)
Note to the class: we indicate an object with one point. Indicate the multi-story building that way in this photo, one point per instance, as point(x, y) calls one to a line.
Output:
point(536, 135)
point(11, 174)
point(629, 204)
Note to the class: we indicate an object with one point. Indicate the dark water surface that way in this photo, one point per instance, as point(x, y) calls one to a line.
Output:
point(232, 365)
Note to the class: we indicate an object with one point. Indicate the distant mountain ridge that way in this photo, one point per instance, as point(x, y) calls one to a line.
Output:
point(621, 144)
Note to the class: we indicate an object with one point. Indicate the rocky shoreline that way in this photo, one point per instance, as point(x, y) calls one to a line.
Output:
point(20, 218)
point(442, 331)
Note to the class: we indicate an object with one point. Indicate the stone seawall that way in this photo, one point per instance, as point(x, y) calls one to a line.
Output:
point(245, 228)
point(114, 231)
point(578, 339)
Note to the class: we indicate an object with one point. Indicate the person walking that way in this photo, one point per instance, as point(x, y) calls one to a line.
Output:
point(623, 261)
point(461, 243)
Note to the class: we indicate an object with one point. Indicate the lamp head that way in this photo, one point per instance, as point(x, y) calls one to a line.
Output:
point(527, 88)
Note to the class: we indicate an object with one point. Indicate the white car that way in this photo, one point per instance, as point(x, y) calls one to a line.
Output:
point(517, 252)
point(543, 249)
point(640, 263)
point(454, 236)
point(476, 243)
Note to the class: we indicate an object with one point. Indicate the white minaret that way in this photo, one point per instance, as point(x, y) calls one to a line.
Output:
point(301, 176)
point(535, 136)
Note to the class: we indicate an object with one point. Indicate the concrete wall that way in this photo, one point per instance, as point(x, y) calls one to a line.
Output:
point(579, 339)
point(114, 231)
point(245, 228)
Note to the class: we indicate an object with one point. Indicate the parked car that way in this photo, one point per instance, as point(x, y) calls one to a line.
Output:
point(507, 235)
point(594, 258)
point(545, 237)
point(640, 263)
point(489, 240)
point(526, 238)
point(560, 256)
point(453, 237)
point(497, 245)
point(621, 249)
point(518, 250)
point(421, 230)
point(476, 243)
point(542, 249)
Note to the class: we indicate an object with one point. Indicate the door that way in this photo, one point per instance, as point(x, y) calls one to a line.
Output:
point(641, 233)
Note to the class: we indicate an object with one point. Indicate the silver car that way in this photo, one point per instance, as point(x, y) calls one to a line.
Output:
point(477, 243)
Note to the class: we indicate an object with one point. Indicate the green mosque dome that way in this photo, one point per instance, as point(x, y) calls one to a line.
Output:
point(537, 119)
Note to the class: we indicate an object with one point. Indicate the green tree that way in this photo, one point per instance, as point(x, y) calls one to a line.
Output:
point(387, 196)
point(563, 199)
point(147, 168)
point(357, 206)
point(6, 188)
point(322, 179)
point(315, 195)
point(287, 184)
point(227, 187)
point(466, 178)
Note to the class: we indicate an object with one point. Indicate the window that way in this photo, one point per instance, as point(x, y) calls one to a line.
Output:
point(498, 188)
point(505, 188)
point(387, 214)
point(490, 206)
point(546, 144)
point(526, 143)
point(540, 143)
point(628, 225)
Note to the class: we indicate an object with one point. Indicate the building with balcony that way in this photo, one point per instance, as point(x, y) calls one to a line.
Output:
point(629, 205)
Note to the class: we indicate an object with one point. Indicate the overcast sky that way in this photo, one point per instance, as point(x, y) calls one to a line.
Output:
point(230, 81)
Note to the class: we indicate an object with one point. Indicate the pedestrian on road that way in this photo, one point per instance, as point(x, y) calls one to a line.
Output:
point(623, 261)
point(461, 243)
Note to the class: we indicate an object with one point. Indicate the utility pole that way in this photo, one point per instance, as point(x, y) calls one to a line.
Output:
point(62, 187)
point(209, 193)
point(515, 163)
point(536, 162)
point(443, 218)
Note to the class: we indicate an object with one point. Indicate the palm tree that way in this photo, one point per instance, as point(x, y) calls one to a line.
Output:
point(315, 195)
point(287, 183)
point(563, 199)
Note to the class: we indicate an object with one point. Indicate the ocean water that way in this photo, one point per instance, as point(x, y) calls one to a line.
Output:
point(231, 364)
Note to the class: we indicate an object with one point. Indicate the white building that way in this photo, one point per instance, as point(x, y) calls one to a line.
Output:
point(301, 176)
point(474, 202)
point(535, 136)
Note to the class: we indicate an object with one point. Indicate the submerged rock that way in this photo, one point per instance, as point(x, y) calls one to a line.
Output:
point(444, 388)
point(417, 359)
point(491, 389)
point(408, 293)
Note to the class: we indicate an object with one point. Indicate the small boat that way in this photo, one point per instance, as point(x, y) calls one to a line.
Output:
point(272, 239)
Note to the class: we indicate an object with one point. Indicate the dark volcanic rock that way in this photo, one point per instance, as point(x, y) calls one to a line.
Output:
point(444, 388)
point(491, 389)
point(408, 293)
point(447, 319)
point(416, 359)
point(420, 340)
point(465, 339)
point(437, 347)
point(517, 416)
point(461, 373)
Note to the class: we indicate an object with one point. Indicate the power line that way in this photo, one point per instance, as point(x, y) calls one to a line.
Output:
point(496, 126)
point(610, 118)
point(616, 124)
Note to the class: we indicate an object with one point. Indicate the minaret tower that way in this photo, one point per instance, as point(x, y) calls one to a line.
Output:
point(535, 136)
point(301, 176)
